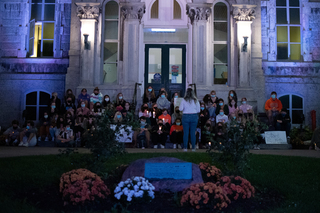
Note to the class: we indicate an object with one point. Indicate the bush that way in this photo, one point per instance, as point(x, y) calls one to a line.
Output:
point(210, 173)
point(205, 196)
point(237, 187)
point(135, 189)
point(80, 186)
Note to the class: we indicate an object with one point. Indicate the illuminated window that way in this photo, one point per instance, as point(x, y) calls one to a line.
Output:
point(176, 10)
point(111, 41)
point(294, 104)
point(36, 104)
point(41, 28)
point(220, 43)
point(155, 10)
point(288, 29)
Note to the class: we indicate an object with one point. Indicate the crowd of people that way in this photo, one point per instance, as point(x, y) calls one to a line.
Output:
point(161, 118)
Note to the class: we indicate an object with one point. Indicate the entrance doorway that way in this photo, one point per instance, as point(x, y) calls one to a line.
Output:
point(165, 67)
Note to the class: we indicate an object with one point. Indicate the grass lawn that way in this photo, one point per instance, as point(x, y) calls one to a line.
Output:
point(296, 178)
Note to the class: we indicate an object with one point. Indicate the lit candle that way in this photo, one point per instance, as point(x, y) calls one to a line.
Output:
point(163, 120)
point(209, 143)
point(147, 112)
point(154, 114)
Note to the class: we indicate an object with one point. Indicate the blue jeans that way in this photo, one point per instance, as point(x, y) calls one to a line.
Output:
point(189, 122)
point(52, 131)
point(212, 112)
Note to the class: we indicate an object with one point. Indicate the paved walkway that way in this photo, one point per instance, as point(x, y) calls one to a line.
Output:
point(7, 151)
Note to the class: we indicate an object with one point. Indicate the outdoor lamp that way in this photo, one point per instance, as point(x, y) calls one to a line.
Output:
point(86, 42)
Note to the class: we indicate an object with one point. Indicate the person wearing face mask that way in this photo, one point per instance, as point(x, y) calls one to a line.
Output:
point(120, 100)
point(232, 95)
point(232, 117)
point(66, 137)
point(106, 103)
point(52, 109)
point(165, 117)
point(12, 134)
point(154, 114)
point(28, 136)
point(83, 109)
point(159, 134)
point(223, 106)
point(221, 117)
point(211, 101)
point(95, 97)
point(44, 128)
point(117, 117)
point(241, 119)
point(203, 116)
point(84, 96)
point(54, 99)
point(162, 101)
point(68, 106)
point(176, 114)
point(70, 94)
point(205, 134)
point(144, 111)
point(232, 106)
point(53, 126)
point(141, 136)
point(244, 106)
point(69, 119)
point(176, 133)
point(283, 121)
point(149, 96)
point(97, 110)
point(80, 126)
point(273, 106)
point(220, 132)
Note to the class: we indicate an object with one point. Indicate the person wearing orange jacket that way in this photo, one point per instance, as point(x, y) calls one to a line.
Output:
point(273, 106)
point(176, 133)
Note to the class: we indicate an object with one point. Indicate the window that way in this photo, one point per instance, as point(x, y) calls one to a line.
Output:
point(220, 43)
point(41, 28)
point(111, 41)
point(176, 10)
point(288, 29)
point(155, 10)
point(36, 104)
point(294, 104)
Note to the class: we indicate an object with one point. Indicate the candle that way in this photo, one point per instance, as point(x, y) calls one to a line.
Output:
point(160, 127)
point(209, 143)
point(154, 114)
point(163, 120)
point(147, 112)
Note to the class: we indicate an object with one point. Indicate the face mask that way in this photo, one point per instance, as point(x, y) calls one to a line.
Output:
point(79, 116)
point(120, 97)
point(207, 125)
point(178, 124)
point(283, 115)
point(231, 94)
point(163, 96)
point(15, 127)
point(98, 106)
point(107, 99)
point(244, 102)
point(96, 93)
point(68, 102)
point(213, 96)
point(221, 113)
point(142, 123)
point(177, 111)
point(118, 116)
point(221, 104)
point(28, 127)
point(46, 116)
point(83, 105)
point(68, 128)
point(219, 127)
point(234, 117)
point(150, 90)
point(160, 124)
point(240, 114)
point(155, 108)
point(232, 103)
point(202, 108)
point(273, 96)
point(176, 96)
point(53, 107)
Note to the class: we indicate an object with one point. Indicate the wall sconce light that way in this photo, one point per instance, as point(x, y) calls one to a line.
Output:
point(86, 42)
point(245, 44)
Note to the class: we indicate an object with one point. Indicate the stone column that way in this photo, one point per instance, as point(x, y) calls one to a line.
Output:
point(199, 14)
point(131, 14)
point(244, 14)
point(88, 14)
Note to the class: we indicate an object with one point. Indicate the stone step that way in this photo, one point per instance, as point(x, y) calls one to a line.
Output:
point(275, 146)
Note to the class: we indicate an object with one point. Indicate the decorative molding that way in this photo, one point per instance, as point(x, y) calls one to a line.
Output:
point(133, 11)
point(88, 11)
point(39, 68)
point(292, 71)
point(198, 12)
point(244, 12)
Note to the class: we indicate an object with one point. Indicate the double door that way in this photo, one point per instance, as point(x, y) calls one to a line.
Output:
point(165, 67)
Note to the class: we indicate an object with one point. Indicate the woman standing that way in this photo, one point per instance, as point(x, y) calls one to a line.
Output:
point(190, 107)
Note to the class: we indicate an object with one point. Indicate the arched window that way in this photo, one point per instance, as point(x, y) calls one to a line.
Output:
point(176, 10)
point(220, 43)
point(36, 104)
point(111, 41)
point(294, 104)
point(155, 10)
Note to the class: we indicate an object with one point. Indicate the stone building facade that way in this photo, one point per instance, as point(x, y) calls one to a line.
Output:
point(248, 46)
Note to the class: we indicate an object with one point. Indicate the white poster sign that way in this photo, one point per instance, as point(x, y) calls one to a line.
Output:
point(123, 136)
point(276, 137)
